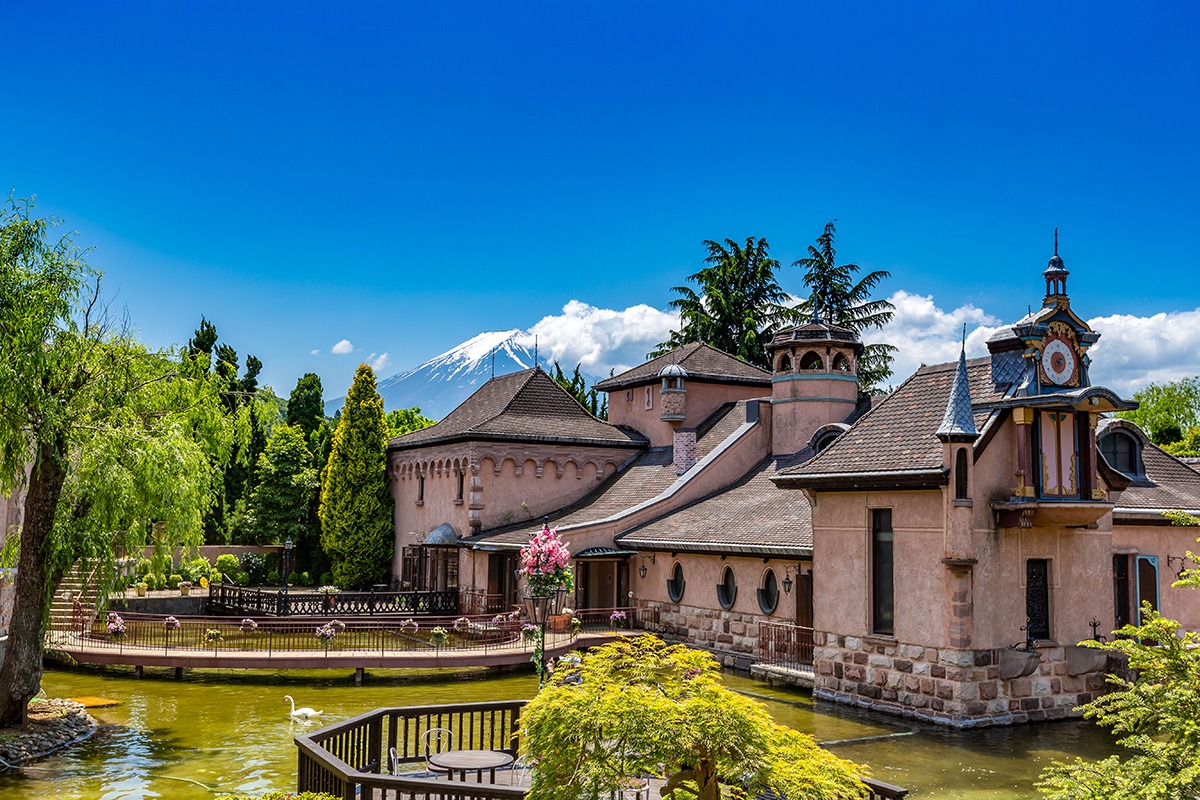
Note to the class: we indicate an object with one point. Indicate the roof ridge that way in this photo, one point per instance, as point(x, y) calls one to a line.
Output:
point(730, 355)
point(513, 398)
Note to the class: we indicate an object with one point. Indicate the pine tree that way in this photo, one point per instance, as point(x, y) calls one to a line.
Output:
point(305, 407)
point(287, 486)
point(357, 531)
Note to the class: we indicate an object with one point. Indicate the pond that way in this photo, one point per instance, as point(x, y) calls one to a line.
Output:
point(222, 731)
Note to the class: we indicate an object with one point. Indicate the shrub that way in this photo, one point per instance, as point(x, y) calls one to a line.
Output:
point(306, 579)
point(195, 569)
point(255, 565)
point(228, 564)
point(273, 577)
point(294, 579)
point(143, 567)
point(160, 580)
point(271, 562)
point(174, 581)
point(326, 579)
point(242, 579)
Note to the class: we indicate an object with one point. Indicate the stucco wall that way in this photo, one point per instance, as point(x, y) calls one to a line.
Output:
point(803, 402)
point(628, 407)
point(1182, 605)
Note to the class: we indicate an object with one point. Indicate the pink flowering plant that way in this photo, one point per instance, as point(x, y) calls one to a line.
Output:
point(546, 563)
point(115, 625)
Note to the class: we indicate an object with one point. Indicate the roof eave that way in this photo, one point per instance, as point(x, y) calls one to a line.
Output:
point(853, 481)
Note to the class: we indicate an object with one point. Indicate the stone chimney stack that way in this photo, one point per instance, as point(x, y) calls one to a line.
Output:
point(685, 449)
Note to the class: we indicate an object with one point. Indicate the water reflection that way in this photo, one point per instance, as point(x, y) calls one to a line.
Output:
point(226, 732)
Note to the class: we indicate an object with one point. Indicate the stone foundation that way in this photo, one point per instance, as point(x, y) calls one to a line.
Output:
point(730, 635)
point(961, 688)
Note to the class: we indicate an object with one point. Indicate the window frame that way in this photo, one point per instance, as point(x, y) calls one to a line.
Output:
point(727, 589)
point(883, 592)
point(768, 592)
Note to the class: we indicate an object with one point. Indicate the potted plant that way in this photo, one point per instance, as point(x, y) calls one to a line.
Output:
point(141, 588)
point(185, 588)
point(576, 626)
point(618, 619)
point(439, 636)
point(326, 634)
point(116, 626)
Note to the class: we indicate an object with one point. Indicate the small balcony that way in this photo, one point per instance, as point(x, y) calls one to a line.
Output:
point(1049, 513)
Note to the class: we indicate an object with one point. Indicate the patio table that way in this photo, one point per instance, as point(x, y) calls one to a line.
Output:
point(464, 761)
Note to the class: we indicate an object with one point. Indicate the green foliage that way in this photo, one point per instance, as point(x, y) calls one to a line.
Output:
point(284, 501)
point(173, 580)
point(1167, 410)
point(836, 298)
point(1156, 717)
point(280, 796)
point(1189, 445)
point(739, 305)
point(143, 566)
point(228, 564)
point(595, 402)
point(242, 579)
point(122, 439)
point(305, 406)
point(255, 565)
point(406, 420)
point(1181, 519)
point(356, 503)
point(642, 707)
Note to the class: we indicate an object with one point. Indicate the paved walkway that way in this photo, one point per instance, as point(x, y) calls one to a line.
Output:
point(79, 649)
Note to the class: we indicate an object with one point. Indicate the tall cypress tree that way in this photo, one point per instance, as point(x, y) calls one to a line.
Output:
point(357, 530)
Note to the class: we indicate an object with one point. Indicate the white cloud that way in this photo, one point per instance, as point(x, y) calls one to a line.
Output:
point(377, 363)
point(314, 352)
point(600, 339)
point(342, 347)
point(1135, 351)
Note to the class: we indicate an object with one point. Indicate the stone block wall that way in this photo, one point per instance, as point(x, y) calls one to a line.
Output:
point(961, 688)
point(731, 635)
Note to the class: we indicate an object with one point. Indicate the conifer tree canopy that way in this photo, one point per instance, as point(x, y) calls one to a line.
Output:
point(357, 530)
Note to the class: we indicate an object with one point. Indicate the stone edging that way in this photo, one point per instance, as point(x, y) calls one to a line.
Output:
point(53, 725)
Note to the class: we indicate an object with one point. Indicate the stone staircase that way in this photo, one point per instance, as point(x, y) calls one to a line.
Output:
point(76, 583)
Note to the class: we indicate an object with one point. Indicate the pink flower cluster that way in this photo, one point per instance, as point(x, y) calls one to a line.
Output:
point(546, 561)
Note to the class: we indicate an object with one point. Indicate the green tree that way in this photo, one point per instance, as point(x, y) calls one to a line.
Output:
point(1188, 446)
point(836, 297)
point(739, 304)
point(120, 440)
point(357, 531)
point(306, 406)
point(595, 402)
point(1166, 411)
point(642, 707)
point(283, 502)
point(406, 420)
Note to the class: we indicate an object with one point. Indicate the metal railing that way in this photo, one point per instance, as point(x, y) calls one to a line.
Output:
point(782, 644)
point(282, 635)
point(230, 599)
point(352, 758)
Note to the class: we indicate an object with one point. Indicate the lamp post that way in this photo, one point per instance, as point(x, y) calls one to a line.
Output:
point(287, 571)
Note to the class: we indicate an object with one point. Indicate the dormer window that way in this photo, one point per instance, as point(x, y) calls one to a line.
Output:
point(1123, 453)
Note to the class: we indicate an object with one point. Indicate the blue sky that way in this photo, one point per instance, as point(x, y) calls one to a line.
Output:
point(403, 176)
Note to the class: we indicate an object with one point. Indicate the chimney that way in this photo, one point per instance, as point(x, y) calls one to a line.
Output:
point(685, 450)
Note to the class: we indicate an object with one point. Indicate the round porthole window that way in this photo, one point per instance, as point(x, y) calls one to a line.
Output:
point(727, 589)
point(768, 593)
point(675, 583)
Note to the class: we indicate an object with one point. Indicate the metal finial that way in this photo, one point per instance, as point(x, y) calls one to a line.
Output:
point(964, 339)
point(1055, 240)
point(535, 350)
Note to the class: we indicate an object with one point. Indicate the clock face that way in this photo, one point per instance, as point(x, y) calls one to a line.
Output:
point(1058, 360)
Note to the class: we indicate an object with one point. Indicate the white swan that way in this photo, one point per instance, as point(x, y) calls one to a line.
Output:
point(301, 713)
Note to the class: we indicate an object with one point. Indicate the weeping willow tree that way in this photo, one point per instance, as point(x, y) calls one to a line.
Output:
point(108, 440)
point(640, 707)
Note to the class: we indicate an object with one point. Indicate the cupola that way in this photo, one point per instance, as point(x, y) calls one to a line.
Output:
point(673, 394)
point(1055, 275)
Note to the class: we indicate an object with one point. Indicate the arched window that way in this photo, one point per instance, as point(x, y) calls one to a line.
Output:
point(768, 593)
point(812, 361)
point(727, 589)
point(841, 363)
point(1122, 453)
point(825, 439)
point(960, 475)
point(785, 363)
point(675, 584)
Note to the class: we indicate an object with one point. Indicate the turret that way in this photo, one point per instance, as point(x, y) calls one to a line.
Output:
point(814, 381)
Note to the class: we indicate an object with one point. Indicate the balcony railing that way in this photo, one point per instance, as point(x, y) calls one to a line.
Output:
point(227, 599)
point(782, 644)
point(351, 759)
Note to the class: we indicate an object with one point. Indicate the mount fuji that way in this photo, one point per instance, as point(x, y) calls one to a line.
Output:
point(444, 381)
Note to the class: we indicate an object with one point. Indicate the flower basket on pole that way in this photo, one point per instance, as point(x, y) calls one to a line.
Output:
point(546, 567)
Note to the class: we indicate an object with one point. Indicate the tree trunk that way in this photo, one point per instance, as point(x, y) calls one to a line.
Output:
point(21, 675)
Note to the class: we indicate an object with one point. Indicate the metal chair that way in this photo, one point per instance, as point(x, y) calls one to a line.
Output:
point(520, 769)
point(436, 740)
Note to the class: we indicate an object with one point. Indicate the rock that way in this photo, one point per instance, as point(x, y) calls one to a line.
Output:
point(53, 724)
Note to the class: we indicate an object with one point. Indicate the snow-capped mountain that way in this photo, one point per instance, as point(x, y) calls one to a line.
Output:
point(445, 380)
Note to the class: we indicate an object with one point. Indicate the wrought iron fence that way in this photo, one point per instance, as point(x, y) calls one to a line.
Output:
point(782, 644)
point(229, 599)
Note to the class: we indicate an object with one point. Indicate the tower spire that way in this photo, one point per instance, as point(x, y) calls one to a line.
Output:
point(958, 425)
point(1055, 274)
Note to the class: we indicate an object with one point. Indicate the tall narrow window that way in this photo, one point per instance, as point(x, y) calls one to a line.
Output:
point(420, 488)
point(883, 598)
point(1059, 456)
point(960, 475)
point(1147, 584)
point(1037, 598)
point(458, 495)
point(1122, 591)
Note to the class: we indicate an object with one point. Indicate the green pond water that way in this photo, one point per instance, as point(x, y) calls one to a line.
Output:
point(224, 731)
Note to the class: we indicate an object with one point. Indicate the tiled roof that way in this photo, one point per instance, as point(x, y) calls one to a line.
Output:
point(651, 474)
point(1172, 484)
point(752, 516)
point(702, 362)
point(526, 405)
point(959, 421)
point(898, 434)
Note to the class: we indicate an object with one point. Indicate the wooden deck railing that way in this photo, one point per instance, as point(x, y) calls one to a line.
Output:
point(350, 759)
